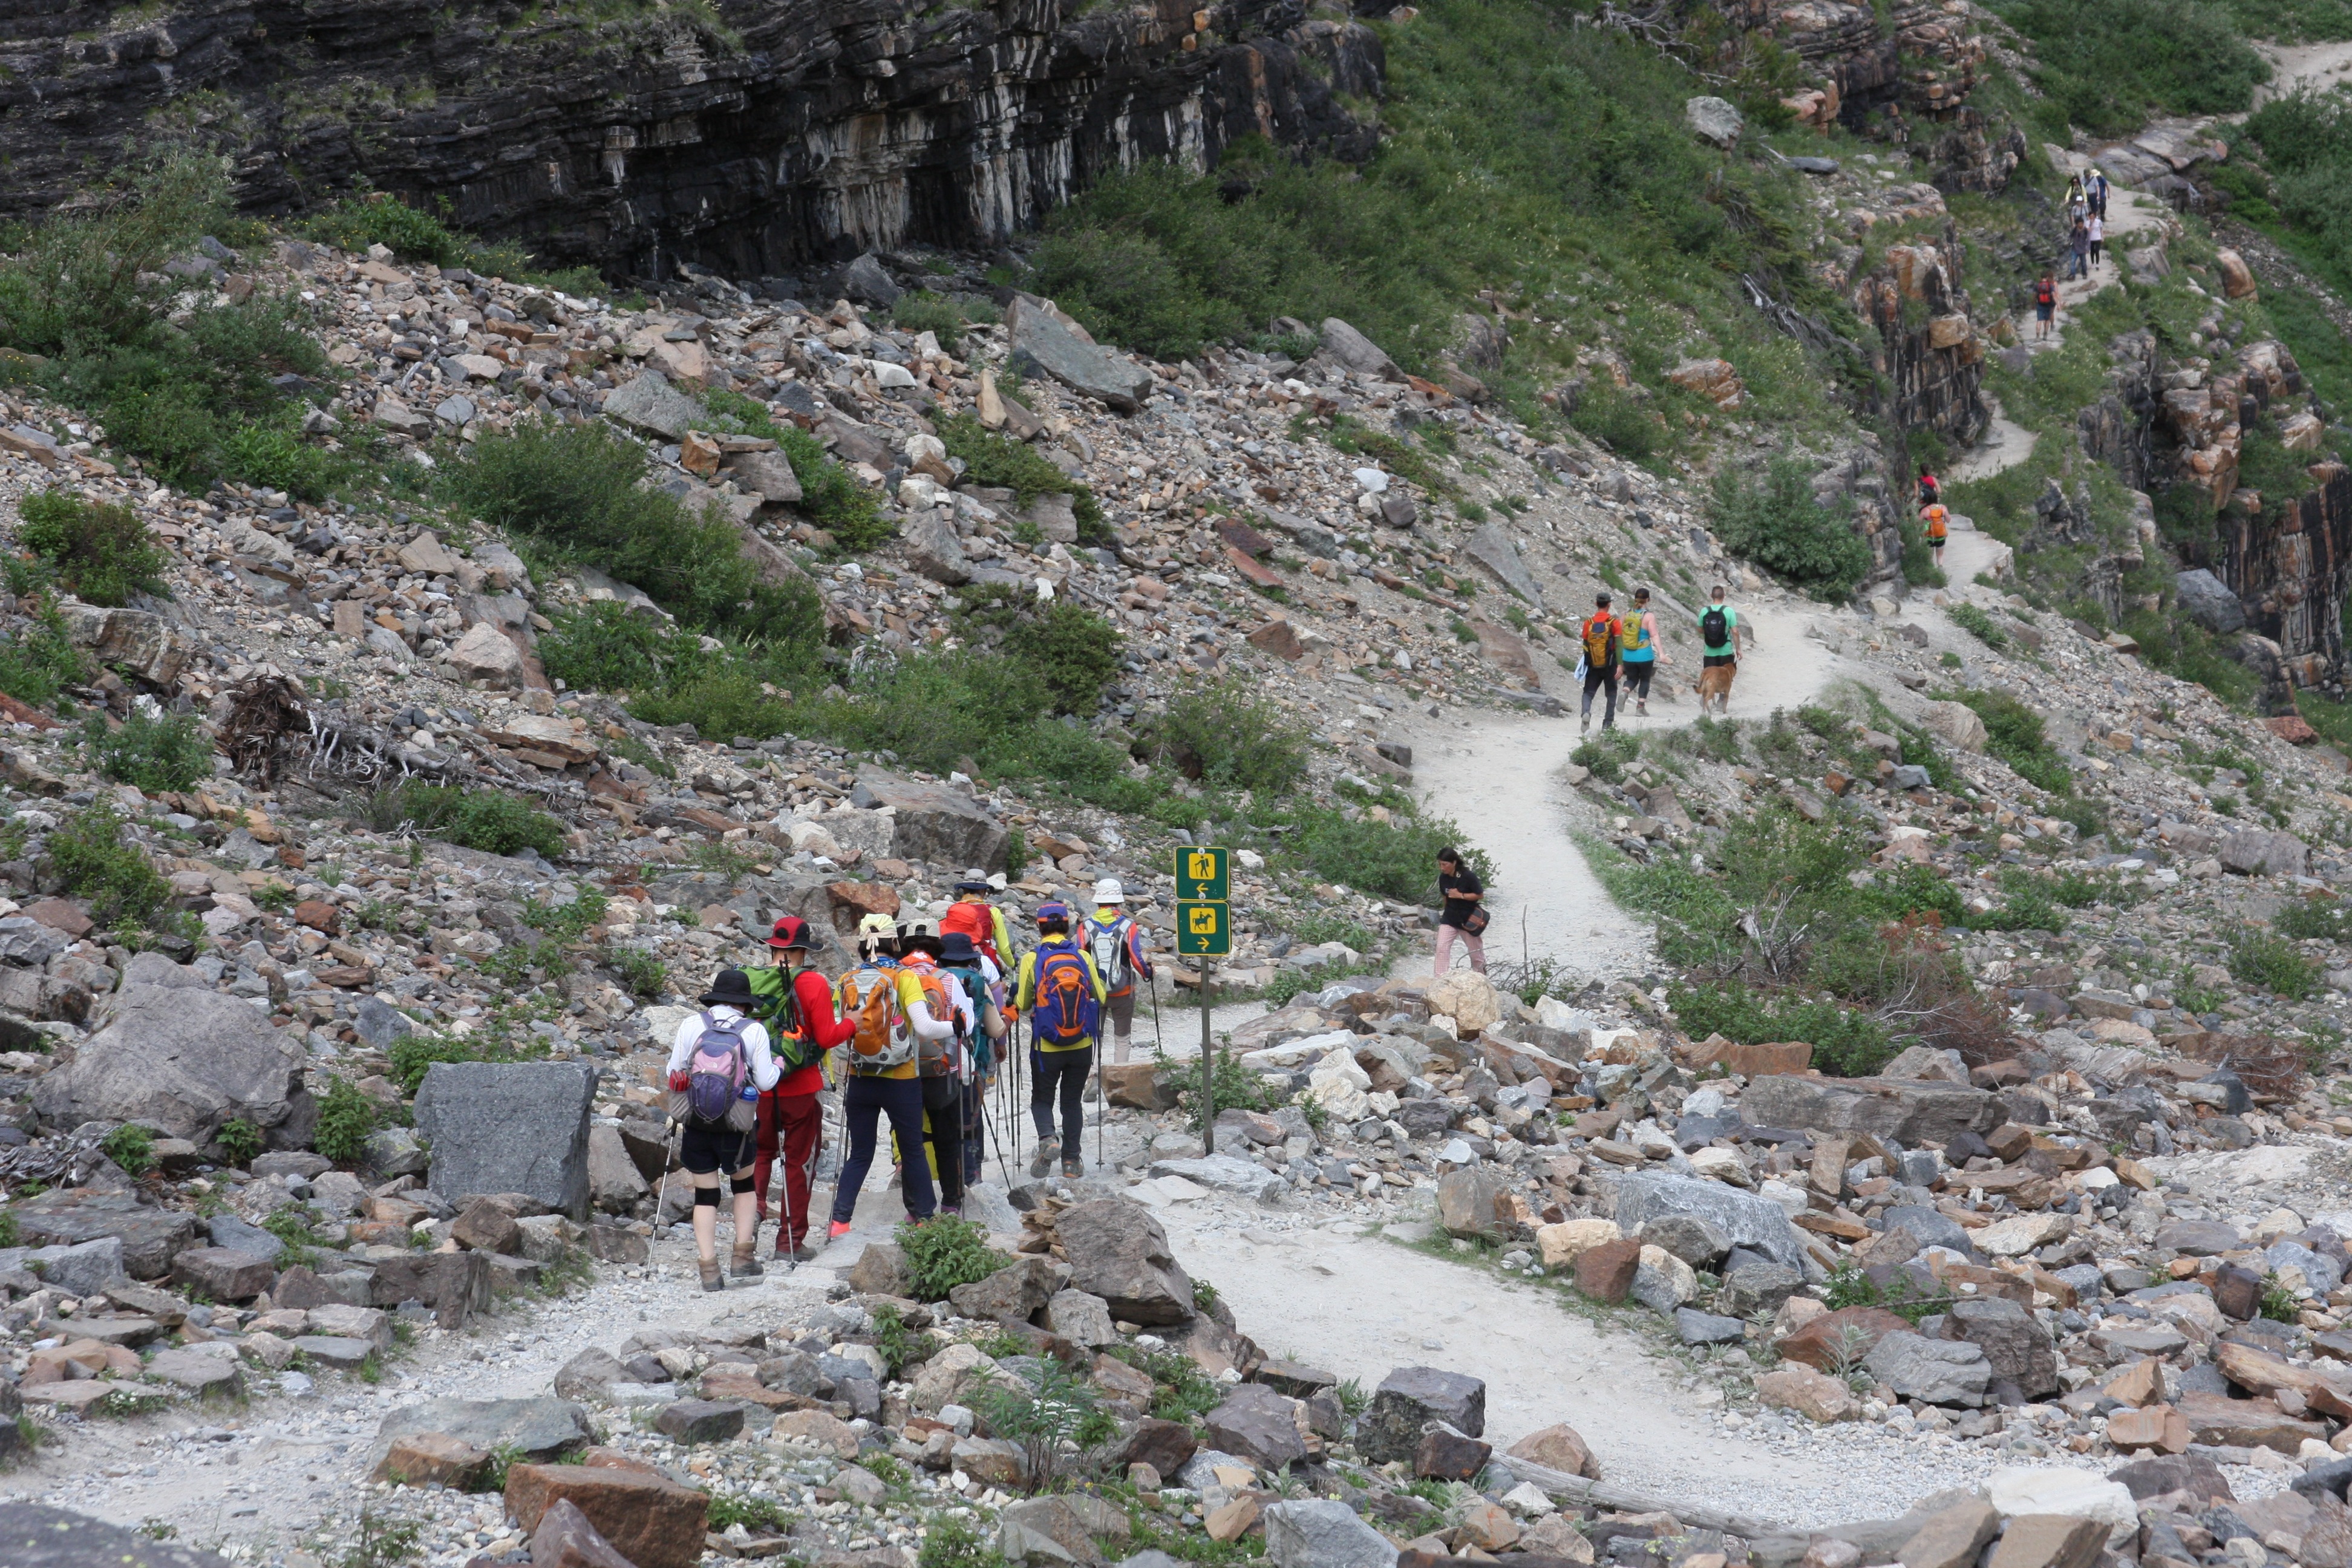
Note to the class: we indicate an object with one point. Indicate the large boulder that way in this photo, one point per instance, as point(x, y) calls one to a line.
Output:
point(1471, 1202)
point(1013, 1294)
point(2210, 601)
point(1910, 1112)
point(1714, 119)
point(1259, 1425)
point(1323, 1533)
point(1350, 350)
point(1937, 1371)
point(2017, 1345)
point(1041, 343)
point(187, 1062)
point(2258, 852)
point(1956, 725)
point(150, 1237)
point(139, 641)
point(1117, 1252)
point(1745, 1219)
point(934, 822)
point(34, 1536)
point(509, 1127)
point(455, 1285)
point(535, 1429)
point(1493, 549)
point(649, 402)
point(615, 1182)
point(1410, 1399)
point(650, 1520)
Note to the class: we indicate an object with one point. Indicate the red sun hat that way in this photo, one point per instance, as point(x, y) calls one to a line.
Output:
point(790, 931)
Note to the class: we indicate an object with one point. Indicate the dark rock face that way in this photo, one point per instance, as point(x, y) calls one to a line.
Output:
point(798, 133)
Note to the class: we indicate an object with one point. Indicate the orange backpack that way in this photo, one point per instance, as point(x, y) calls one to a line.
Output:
point(1600, 635)
point(869, 997)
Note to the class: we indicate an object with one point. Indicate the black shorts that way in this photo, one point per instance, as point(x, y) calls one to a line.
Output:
point(2042, 312)
point(1637, 675)
point(1710, 661)
point(703, 1150)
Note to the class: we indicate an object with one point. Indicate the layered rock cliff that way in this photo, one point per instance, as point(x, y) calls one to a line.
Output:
point(753, 138)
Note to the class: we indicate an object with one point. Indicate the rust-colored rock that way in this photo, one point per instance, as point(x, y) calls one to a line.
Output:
point(1763, 1061)
point(1606, 1272)
point(1837, 1340)
point(2158, 1426)
point(434, 1458)
point(651, 1520)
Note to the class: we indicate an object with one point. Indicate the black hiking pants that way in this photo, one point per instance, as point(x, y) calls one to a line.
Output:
point(1060, 1075)
point(1601, 675)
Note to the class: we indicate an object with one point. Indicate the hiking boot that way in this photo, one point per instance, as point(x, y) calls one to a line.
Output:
point(835, 1231)
point(1048, 1150)
point(806, 1252)
point(1584, 724)
point(791, 1249)
point(746, 1267)
point(1640, 710)
point(1073, 1168)
point(713, 1276)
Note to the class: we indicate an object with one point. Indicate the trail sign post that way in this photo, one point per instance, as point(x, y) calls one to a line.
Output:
point(1204, 930)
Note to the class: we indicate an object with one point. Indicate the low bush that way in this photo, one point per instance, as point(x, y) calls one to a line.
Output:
point(1396, 860)
point(1071, 650)
point(2271, 964)
point(346, 1119)
point(994, 459)
point(2109, 66)
point(488, 820)
point(157, 752)
point(830, 498)
point(131, 1146)
point(1973, 620)
point(96, 551)
point(1777, 523)
point(943, 318)
point(2013, 734)
point(1228, 736)
point(1847, 1043)
point(572, 492)
point(89, 854)
point(2304, 918)
point(946, 1252)
point(39, 662)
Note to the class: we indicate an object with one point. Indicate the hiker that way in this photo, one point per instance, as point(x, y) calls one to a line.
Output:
point(1939, 524)
point(1464, 912)
point(796, 1009)
point(1930, 490)
point(2078, 250)
point(1641, 656)
point(962, 960)
point(719, 1065)
point(1601, 638)
point(889, 1012)
point(1720, 636)
point(973, 915)
point(1062, 991)
point(2077, 200)
point(2097, 231)
point(943, 1062)
point(2045, 304)
point(2097, 190)
point(1116, 939)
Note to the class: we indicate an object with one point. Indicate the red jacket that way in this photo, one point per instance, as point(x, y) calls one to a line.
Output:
point(826, 1028)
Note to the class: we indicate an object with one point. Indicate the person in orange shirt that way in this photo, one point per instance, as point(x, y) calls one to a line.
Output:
point(1938, 523)
point(1603, 640)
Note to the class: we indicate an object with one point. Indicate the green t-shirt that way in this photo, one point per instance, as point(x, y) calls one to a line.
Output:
point(1730, 630)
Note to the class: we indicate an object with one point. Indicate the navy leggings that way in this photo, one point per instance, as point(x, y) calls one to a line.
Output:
point(1065, 1071)
point(862, 1102)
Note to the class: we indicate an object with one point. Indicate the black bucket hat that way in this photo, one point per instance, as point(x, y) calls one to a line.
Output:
point(731, 989)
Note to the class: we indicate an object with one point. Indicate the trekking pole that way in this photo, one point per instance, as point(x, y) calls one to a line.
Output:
point(669, 1158)
point(1159, 1045)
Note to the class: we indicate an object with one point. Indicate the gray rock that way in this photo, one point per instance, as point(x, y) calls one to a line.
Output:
point(935, 550)
point(1909, 1111)
point(185, 1061)
point(1908, 776)
point(1695, 1239)
point(937, 823)
point(2200, 1238)
point(589, 1374)
point(339, 1192)
point(2321, 1272)
point(1322, 1532)
point(2210, 601)
point(768, 475)
point(1937, 1372)
point(1755, 1289)
point(699, 1420)
point(197, 1371)
point(1117, 1250)
point(1714, 119)
point(2018, 1347)
point(2256, 852)
point(342, 1353)
point(1014, 1293)
point(379, 1024)
point(1259, 1425)
point(154, 969)
point(1081, 1318)
point(150, 1237)
point(540, 1430)
point(1222, 1172)
point(1698, 1328)
point(34, 1536)
point(28, 944)
point(1043, 345)
point(228, 1230)
point(83, 1269)
point(865, 281)
point(1350, 349)
point(1930, 1227)
point(650, 402)
point(509, 1127)
point(1745, 1219)
point(614, 1182)
point(455, 409)
point(1493, 550)
point(1410, 1397)
point(223, 1273)
point(301, 1163)
point(392, 1152)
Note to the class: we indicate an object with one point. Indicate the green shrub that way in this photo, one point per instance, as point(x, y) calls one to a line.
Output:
point(1777, 524)
point(997, 461)
point(157, 754)
point(945, 1252)
point(41, 661)
point(830, 496)
point(944, 319)
point(97, 864)
point(2309, 918)
point(346, 1118)
point(1228, 736)
point(488, 820)
point(952, 1542)
point(1620, 422)
point(1071, 651)
point(1847, 1043)
point(2274, 966)
point(573, 493)
point(2026, 905)
point(131, 1146)
point(1973, 620)
point(240, 1141)
point(1054, 1411)
point(2013, 734)
point(1396, 860)
point(2109, 66)
point(96, 551)
point(411, 1055)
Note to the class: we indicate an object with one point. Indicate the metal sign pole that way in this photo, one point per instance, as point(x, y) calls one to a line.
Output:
point(1208, 1065)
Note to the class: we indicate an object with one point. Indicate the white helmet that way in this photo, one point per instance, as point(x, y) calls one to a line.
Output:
point(1108, 891)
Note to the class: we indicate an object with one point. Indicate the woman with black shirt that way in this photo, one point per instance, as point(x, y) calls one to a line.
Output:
point(1462, 915)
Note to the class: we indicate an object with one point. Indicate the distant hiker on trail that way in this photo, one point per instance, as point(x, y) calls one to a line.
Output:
point(2097, 190)
point(1937, 523)
point(1641, 656)
point(2045, 305)
point(1930, 491)
point(1604, 638)
point(1115, 939)
point(1720, 636)
point(1464, 914)
point(719, 1066)
point(2078, 250)
point(1062, 992)
point(2097, 230)
point(796, 1007)
point(2078, 200)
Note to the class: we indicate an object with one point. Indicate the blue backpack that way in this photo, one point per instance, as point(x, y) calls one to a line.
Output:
point(1063, 1010)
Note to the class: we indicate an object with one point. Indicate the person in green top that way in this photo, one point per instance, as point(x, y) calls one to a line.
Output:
point(1720, 637)
point(1642, 658)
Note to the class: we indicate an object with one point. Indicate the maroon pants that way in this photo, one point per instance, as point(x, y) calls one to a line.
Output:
point(793, 1121)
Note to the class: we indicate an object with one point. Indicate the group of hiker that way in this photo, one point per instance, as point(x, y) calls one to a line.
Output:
point(1612, 648)
point(2087, 223)
point(916, 1033)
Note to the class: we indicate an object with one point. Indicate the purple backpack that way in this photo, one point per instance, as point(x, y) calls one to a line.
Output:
point(717, 1071)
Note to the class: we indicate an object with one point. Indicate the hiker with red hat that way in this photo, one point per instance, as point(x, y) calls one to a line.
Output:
point(796, 1003)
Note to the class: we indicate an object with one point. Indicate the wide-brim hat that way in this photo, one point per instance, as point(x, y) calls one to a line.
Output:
point(732, 988)
point(955, 947)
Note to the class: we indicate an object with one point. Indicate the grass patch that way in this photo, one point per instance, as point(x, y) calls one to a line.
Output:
point(2109, 66)
point(1979, 623)
point(1228, 736)
point(2269, 963)
point(488, 820)
point(88, 853)
point(41, 661)
point(830, 498)
point(96, 551)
